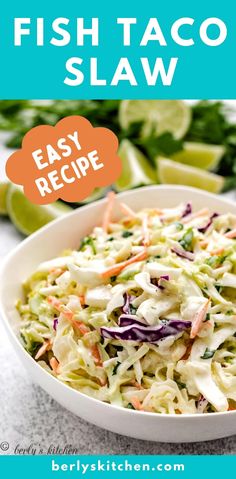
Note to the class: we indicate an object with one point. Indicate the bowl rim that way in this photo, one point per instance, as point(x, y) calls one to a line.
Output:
point(18, 345)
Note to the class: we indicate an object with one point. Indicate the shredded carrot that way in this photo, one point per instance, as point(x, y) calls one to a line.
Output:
point(136, 403)
point(60, 307)
point(192, 216)
point(77, 324)
point(46, 346)
point(231, 234)
point(146, 233)
point(68, 314)
point(117, 268)
point(107, 215)
point(217, 252)
point(127, 210)
point(82, 300)
point(81, 326)
point(103, 382)
point(204, 243)
point(198, 320)
point(56, 271)
point(96, 354)
point(188, 351)
point(54, 365)
point(157, 211)
point(56, 303)
point(231, 408)
point(136, 384)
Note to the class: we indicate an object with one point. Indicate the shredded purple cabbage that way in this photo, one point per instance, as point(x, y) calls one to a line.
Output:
point(149, 334)
point(205, 228)
point(201, 404)
point(165, 276)
point(156, 281)
point(55, 324)
point(129, 319)
point(182, 253)
point(187, 211)
point(128, 299)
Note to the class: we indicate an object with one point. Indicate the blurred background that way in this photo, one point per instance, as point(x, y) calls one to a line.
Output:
point(161, 141)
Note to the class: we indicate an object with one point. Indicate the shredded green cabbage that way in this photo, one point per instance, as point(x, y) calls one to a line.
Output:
point(185, 271)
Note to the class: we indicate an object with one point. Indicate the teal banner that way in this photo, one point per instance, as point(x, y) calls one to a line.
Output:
point(92, 467)
point(125, 49)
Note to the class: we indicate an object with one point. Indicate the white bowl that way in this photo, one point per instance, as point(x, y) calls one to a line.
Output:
point(66, 233)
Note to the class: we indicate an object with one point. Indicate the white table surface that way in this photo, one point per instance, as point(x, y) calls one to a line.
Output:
point(29, 418)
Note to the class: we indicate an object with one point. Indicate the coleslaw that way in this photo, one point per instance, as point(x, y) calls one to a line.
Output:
point(143, 314)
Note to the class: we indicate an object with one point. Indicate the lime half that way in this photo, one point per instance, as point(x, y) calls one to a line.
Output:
point(28, 217)
point(171, 172)
point(159, 116)
point(136, 169)
point(3, 198)
point(200, 155)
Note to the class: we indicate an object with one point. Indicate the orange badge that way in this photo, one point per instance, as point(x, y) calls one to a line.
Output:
point(65, 162)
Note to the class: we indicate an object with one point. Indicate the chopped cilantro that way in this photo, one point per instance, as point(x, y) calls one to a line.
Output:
point(208, 354)
point(126, 234)
point(115, 368)
point(117, 347)
point(218, 287)
point(132, 309)
point(152, 258)
point(178, 225)
point(187, 239)
point(215, 261)
point(180, 384)
point(88, 241)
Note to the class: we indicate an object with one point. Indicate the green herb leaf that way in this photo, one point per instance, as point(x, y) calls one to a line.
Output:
point(180, 384)
point(186, 241)
point(179, 226)
point(115, 368)
point(215, 261)
point(126, 234)
point(130, 406)
point(218, 288)
point(88, 241)
point(208, 354)
point(112, 279)
point(208, 317)
point(132, 308)
point(210, 124)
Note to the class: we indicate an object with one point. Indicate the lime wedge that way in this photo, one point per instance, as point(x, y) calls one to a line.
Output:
point(200, 155)
point(96, 195)
point(171, 172)
point(3, 198)
point(28, 217)
point(136, 169)
point(159, 116)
